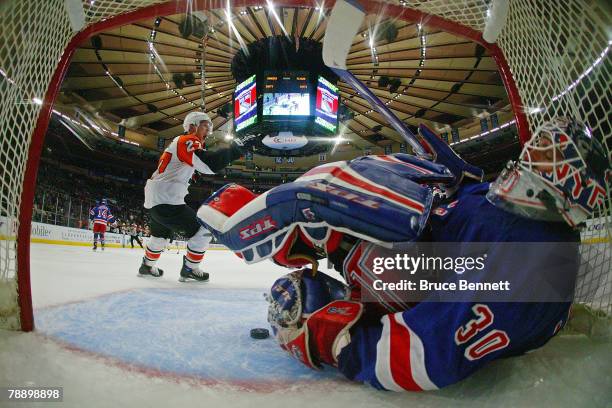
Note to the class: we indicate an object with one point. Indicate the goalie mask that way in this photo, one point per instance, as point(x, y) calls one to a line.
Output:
point(560, 175)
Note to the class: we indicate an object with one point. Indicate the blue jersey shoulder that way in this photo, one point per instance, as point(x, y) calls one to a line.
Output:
point(101, 212)
point(472, 218)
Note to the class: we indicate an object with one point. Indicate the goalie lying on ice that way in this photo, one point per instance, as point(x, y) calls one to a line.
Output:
point(334, 210)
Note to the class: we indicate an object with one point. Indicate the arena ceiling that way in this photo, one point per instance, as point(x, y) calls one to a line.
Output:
point(126, 74)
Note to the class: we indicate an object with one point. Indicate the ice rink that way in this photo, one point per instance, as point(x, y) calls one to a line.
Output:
point(112, 339)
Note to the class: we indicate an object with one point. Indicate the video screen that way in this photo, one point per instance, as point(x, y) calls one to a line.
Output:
point(326, 107)
point(286, 94)
point(286, 104)
point(245, 104)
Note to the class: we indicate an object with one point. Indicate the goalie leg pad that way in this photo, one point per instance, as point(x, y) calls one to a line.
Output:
point(230, 198)
point(368, 199)
point(221, 205)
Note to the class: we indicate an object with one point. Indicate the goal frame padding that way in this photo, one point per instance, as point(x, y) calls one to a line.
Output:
point(176, 7)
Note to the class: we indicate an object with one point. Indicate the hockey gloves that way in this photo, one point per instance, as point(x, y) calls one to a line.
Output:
point(310, 318)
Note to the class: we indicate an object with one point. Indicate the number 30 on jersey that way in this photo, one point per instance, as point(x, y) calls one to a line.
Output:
point(492, 341)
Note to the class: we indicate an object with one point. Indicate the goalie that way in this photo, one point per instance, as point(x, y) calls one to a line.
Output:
point(334, 210)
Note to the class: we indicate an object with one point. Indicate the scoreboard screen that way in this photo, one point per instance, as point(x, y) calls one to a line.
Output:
point(245, 104)
point(326, 106)
point(298, 102)
point(286, 94)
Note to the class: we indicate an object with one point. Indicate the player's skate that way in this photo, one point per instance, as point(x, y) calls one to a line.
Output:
point(146, 270)
point(189, 274)
point(95, 246)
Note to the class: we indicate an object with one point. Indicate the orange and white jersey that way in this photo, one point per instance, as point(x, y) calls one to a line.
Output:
point(170, 182)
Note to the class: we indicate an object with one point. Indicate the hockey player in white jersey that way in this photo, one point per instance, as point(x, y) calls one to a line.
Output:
point(165, 195)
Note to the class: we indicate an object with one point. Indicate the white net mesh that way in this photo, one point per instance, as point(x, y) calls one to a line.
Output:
point(32, 39)
point(557, 51)
point(469, 13)
point(559, 56)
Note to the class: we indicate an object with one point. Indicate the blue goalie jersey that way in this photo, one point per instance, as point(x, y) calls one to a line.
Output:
point(433, 345)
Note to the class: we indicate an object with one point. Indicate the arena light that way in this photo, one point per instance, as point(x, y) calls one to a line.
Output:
point(228, 16)
point(155, 59)
point(320, 8)
point(505, 125)
point(588, 71)
point(276, 17)
point(340, 138)
point(7, 77)
point(533, 110)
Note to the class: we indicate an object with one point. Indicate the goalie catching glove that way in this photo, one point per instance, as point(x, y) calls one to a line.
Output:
point(310, 318)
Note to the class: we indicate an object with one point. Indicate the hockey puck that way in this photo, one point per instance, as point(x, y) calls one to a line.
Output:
point(260, 333)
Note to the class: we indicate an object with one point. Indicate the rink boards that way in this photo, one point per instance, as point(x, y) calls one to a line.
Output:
point(593, 233)
point(59, 235)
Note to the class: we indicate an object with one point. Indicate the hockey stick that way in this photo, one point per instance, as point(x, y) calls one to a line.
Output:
point(342, 26)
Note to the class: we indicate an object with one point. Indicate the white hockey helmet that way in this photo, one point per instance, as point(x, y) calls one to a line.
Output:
point(194, 118)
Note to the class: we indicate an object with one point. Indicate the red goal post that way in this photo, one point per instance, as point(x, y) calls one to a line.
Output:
point(545, 59)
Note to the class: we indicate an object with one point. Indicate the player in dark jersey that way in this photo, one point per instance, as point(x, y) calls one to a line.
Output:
point(557, 183)
point(101, 216)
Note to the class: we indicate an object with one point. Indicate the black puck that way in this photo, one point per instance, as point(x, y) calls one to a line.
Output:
point(260, 333)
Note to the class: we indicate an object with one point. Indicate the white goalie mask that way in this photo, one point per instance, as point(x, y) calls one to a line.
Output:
point(559, 176)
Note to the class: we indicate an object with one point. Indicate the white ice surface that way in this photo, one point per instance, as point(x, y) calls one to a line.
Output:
point(571, 371)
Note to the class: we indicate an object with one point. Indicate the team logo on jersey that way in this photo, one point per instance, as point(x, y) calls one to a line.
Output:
point(257, 228)
point(308, 214)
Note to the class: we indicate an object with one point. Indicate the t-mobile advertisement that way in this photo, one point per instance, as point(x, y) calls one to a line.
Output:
point(326, 108)
point(245, 104)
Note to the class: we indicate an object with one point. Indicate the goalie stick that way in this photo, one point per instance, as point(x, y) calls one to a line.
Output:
point(343, 24)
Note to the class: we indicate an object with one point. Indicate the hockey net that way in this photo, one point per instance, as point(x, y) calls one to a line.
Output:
point(557, 52)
